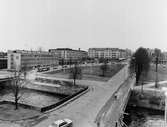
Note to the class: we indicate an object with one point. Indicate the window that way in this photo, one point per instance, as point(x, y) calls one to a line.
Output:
point(17, 57)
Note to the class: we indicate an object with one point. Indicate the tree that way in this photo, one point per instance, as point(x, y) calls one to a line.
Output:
point(104, 67)
point(102, 60)
point(140, 63)
point(157, 55)
point(24, 70)
point(17, 84)
point(75, 73)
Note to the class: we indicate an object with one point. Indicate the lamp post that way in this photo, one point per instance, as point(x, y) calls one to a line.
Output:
point(165, 90)
point(156, 78)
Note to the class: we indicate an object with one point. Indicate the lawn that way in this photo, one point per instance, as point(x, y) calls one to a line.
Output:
point(162, 73)
point(8, 112)
point(91, 72)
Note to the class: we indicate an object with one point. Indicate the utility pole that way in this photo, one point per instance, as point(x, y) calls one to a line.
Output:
point(156, 78)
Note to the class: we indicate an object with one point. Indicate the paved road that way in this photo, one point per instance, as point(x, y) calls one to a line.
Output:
point(83, 111)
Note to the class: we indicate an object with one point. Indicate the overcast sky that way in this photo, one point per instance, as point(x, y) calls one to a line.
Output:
point(30, 24)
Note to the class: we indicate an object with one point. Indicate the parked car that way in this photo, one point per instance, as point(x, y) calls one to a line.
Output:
point(62, 123)
point(43, 69)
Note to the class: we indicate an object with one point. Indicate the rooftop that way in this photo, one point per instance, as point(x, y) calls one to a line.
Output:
point(28, 52)
point(67, 49)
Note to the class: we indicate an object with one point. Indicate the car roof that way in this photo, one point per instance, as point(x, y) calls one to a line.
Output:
point(58, 122)
point(68, 120)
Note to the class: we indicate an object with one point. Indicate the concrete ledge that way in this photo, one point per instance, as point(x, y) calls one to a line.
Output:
point(65, 100)
point(80, 93)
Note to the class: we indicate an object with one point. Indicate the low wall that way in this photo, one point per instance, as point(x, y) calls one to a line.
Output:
point(149, 98)
point(62, 101)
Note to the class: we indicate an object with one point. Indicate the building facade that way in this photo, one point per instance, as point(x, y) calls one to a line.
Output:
point(162, 56)
point(18, 59)
point(109, 53)
point(69, 55)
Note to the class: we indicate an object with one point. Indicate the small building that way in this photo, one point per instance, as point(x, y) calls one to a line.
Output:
point(68, 55)
point(18, 59)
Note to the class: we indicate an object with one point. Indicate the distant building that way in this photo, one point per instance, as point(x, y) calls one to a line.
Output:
point(22, 58)
point(3, 60)
point(69, 55)
point(162, 57)
point(109, 53)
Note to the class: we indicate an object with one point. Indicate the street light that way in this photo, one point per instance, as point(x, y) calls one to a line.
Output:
point(165, 90)
point(156, 78)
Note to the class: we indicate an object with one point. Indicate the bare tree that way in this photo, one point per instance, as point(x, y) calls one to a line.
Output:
point(17, 84)
point(157, 54)
point(75, 73)
point(24, 70)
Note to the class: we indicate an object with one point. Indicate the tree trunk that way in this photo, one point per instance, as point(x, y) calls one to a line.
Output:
point(156, 78)
point(16, 103)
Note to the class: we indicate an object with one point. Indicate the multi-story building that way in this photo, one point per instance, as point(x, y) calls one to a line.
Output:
point(18, 59)
point(164, 57)
point(3, 60)
point(109, 53)
point(69, 55)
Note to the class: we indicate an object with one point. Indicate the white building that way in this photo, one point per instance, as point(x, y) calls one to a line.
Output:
point(18, 59)
point(110, 53)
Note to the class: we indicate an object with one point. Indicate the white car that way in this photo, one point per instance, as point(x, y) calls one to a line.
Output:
point(62, 123)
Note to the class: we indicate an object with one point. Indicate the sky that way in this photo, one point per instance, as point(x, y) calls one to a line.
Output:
point(34, 24)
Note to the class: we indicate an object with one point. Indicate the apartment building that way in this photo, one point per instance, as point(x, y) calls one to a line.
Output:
point(110, 53)
point(162, 57)
point(69, 55)
point(22, 58)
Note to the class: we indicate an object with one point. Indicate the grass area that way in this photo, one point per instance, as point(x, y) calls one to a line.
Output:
point(148, 98)
point(162, 73)
point(91, 72)
point(8, 112)
point(33, 97)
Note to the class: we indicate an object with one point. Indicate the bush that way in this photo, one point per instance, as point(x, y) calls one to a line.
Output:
point(155, 100)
